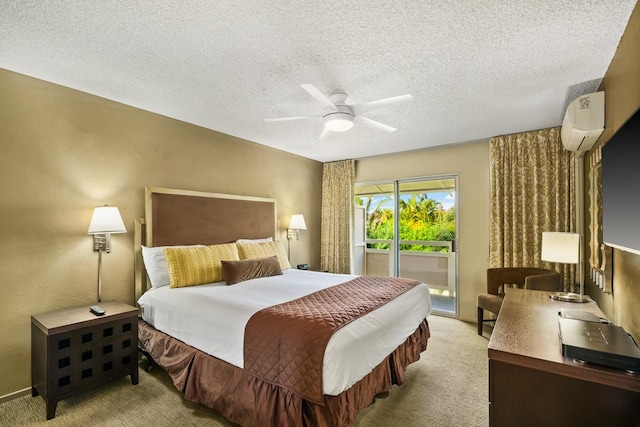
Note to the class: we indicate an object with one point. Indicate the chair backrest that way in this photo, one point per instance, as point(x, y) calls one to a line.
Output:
point(523, 277)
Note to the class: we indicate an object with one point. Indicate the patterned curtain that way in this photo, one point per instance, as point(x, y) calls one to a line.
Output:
point(338, 193)
point(599, 253)
point(532, 190)
point(595, 208)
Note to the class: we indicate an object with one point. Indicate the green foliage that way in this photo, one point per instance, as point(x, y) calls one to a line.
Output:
point(421, 218)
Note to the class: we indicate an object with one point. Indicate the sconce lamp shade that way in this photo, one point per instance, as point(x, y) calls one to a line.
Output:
point(561, 247)
point(297, 222)
point(105, 220)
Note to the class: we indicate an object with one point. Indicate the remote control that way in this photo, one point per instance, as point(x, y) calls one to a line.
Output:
point(97, 310)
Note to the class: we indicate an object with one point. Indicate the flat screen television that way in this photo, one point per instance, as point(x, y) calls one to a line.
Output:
point(621, 187)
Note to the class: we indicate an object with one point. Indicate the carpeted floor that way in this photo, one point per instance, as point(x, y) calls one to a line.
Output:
point(447, 387)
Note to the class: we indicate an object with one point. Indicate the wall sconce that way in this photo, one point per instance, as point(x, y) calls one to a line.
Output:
point(295, 225)
point(563, 248)
point(106, 220)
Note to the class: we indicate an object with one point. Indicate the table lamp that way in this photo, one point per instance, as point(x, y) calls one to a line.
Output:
point(563, 248)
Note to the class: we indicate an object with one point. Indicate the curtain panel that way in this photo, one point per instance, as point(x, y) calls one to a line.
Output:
point(532, 190)
point(338, 199)
point(594, 160)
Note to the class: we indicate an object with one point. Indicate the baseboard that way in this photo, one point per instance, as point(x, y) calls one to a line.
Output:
point(15, 395)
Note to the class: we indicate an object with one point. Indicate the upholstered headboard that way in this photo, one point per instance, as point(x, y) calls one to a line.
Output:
point(183, 217)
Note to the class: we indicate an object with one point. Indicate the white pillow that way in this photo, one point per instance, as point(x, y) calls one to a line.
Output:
point(156, 264)
point(245, 241)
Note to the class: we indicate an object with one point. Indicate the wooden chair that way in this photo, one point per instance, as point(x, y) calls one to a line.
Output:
point(540, 279)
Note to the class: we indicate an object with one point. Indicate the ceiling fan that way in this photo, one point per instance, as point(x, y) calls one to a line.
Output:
point(340, 116)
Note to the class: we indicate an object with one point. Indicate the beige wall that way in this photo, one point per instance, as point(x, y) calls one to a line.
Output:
point(471, 163)
point(63, 152)
point(622, 97)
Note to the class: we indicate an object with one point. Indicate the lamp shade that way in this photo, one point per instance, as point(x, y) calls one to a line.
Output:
point(106, 219)
point(560, 247)
point(297, 222)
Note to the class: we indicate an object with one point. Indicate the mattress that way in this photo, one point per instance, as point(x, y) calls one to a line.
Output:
point(212, 318)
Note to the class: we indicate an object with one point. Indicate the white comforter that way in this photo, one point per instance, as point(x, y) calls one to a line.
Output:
point(212, 319)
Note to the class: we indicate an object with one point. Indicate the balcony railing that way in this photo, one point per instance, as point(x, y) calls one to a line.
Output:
point(437, 269)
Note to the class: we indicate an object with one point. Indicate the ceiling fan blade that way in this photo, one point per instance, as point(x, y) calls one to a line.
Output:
point(374, 105)
point(325, 134)
point(284, 119)
point(319, 96)
point(373, 124)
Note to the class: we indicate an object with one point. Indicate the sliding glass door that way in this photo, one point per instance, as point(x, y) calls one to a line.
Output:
point(410, 231)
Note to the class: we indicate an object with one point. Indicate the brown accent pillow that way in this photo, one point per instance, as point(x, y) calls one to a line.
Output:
point(239, 271)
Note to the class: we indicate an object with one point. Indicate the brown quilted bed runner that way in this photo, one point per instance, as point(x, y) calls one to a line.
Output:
point(285, 344)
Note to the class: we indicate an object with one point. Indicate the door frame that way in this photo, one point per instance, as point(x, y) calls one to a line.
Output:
point(395, 253)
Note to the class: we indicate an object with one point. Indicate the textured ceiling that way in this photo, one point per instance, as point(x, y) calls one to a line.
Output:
point(475, 68)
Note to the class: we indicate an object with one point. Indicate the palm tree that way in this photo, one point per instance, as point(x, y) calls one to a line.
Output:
point(421, 218)
point(420, 210)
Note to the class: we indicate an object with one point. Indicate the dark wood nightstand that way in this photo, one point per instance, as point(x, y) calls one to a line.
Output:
point(73, 350)
point(306, 268)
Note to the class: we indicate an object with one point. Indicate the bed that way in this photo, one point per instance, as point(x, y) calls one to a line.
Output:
point(235, 348)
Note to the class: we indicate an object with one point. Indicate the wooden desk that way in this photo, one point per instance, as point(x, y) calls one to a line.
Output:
point(532, 384)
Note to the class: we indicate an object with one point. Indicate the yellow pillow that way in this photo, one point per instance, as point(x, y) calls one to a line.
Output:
point(199, 265)
point(264, 250)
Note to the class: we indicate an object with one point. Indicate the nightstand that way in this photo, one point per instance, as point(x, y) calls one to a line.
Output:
point(306, 267)
point(74, 350)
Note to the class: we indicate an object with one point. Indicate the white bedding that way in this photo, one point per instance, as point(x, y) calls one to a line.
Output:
point(212, 319)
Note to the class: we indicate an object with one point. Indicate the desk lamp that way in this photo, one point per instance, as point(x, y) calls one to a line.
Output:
point(563, 248)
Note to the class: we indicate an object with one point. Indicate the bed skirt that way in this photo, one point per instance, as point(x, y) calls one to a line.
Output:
point(251, 402)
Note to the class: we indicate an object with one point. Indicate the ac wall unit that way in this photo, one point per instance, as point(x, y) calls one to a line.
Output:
point(583, 122)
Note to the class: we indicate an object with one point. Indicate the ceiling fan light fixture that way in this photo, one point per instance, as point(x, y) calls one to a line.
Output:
point(339, 115)
point(338, 122)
